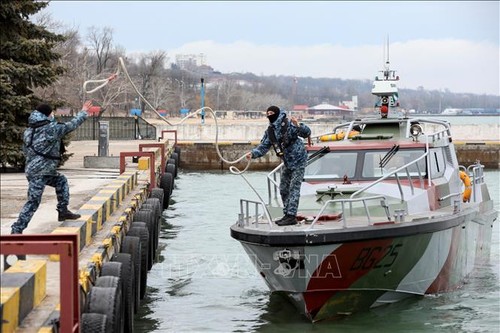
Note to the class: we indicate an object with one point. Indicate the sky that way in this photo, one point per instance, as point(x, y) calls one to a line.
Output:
point(448, 45)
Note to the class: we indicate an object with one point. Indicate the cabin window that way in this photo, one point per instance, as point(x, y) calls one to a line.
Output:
point(332, 165)
point(379, 163)
point(438, 162)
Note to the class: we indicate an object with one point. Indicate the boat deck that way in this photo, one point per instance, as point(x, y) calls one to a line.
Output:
point(263, 224)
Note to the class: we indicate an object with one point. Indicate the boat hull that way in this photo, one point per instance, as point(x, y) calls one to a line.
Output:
point(330, 279)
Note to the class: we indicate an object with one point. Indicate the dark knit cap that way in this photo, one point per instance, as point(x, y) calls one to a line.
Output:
point(45, 109)
point(276, 110)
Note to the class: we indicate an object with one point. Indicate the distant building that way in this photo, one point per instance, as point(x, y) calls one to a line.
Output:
point(190, 61)
point(331, 110)
point(352, 104)
point(451, 112)
point(299, 111)
point(300, 107)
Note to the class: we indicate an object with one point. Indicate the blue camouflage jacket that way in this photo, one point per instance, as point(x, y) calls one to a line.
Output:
point(295, 155)
point(42, 142)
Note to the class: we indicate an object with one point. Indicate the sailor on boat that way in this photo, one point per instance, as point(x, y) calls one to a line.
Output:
point(284, 135)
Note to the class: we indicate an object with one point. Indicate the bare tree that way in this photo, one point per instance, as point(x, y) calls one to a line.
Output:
point(159, 92)
point(227, 91)
point(101, 42)
point(251, 101)
point(151, 69)
point(113, 96)
point(66, 90)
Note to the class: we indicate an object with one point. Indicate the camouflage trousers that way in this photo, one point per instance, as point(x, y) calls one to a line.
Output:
point(35, 190)
point(290, 183)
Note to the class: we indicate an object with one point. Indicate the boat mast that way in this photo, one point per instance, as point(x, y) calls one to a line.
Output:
point(385, 88)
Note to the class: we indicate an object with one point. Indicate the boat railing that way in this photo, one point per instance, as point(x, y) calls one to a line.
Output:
point(394, 173)
point(343, 203)
point(273, 183)
point(477, 177)
point(457, 203)
point(442, 134)
point(244, 218)
point(476, 173)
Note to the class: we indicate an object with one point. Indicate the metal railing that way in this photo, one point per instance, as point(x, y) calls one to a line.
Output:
point(272, 183)
point(244, 216)
point(120, 128)
point(66, 246)
point(476, 172)
point(343, 202)
point(395, 174)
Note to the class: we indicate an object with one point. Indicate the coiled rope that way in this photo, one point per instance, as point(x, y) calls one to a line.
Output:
point(122, 66)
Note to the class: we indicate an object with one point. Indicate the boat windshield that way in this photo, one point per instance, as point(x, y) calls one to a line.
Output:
point(372, 166)
point(337, 164)
point(332, 165)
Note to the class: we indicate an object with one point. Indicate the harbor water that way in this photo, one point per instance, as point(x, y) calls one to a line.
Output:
point(204, 281)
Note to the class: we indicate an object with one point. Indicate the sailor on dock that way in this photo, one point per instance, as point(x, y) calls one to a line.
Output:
point(42, 149)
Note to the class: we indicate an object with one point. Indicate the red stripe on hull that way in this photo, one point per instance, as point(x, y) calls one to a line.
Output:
point(340, 270)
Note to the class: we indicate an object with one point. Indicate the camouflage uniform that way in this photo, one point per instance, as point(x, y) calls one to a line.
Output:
point(294, 159)
point(42, 143)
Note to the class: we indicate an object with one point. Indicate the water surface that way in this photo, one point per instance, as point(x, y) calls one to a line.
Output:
point(204, 281)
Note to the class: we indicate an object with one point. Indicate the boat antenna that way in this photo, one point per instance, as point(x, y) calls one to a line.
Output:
point(386, 65)
point(387, 45)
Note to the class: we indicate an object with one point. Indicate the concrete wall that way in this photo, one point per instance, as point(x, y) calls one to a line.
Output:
point(245, 131)
point(488, 154)
point(203, 156)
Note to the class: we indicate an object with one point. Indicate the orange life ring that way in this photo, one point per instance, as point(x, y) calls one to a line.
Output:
point(337, 136)
point(467, 183)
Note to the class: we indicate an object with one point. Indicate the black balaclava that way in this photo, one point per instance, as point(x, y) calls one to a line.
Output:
point(272, 118)
point(45, 109)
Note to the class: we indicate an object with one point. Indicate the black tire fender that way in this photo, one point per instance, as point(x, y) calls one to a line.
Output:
point(106, 301)
point(156, 226)
point(167, 177)
point(93, 323)
point(166, 185)
point(128, 284)
point(142, 233)
point(146, 215)
point(171, 168)
point(159, 194)
point(131, 245)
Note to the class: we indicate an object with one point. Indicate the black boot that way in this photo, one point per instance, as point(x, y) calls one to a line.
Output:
point(68, 215)
point(287, 220)
point(280, 220)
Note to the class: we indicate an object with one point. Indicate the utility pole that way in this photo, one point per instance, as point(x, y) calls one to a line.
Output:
point(294, 90)
point(202, 91)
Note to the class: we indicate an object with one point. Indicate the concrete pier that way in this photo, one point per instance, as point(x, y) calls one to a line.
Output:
point(38, 295)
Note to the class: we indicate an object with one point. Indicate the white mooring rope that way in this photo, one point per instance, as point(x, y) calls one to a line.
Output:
point(104, 82)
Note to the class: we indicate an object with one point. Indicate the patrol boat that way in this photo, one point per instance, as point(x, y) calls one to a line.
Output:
point(386, 212)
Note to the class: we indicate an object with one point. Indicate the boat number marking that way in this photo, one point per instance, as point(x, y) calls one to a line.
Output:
point(376, 257)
